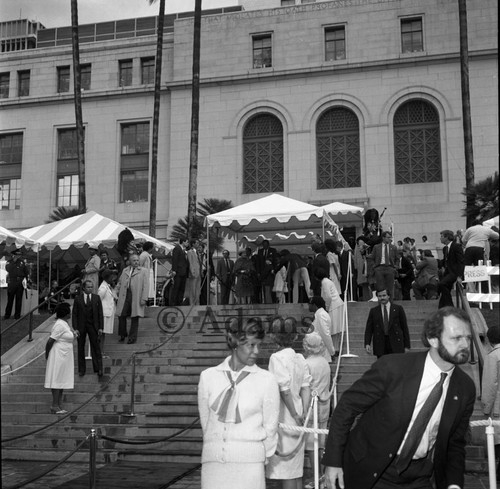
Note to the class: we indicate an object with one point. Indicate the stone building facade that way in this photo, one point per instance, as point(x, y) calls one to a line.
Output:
point(349, 100)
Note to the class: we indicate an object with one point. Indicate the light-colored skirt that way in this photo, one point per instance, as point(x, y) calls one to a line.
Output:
point(216, 475)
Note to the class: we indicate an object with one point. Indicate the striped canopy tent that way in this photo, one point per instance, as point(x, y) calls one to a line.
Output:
point(10, 238)
point(341, 211)
point(86, 229)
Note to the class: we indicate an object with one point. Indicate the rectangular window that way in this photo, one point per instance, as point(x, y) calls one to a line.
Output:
point(334, 43)
point(67, 168)
point(10, 194)
point(86, 76)
point(262, 51)
point(287, 3)
point(67, 190)
point(134, 171)
point(412, 36)
point(4, 85)
point(62, 79)
point(23, 83)
point(147, 71)
point(125, 66)
point(11, 158)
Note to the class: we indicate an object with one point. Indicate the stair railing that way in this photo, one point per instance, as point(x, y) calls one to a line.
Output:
point(134, 358)
point(30, 313)
point(477, 345)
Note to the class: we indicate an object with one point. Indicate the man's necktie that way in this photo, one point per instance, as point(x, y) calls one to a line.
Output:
point(418, 428)
point(387, 259)
point(386, 320)
point(227, 265)
point(445, 255)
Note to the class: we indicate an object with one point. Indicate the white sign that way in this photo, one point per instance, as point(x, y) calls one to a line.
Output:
point(3, 274)
point(476, 274)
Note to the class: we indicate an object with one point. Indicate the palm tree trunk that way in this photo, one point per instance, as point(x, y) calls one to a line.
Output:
point(195, 118)
point(156, 119)
point(466, 115)
point(77, 89)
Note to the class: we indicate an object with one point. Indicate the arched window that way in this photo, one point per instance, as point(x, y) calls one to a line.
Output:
point(263, 155)
point(417, 150)
point(337, 147)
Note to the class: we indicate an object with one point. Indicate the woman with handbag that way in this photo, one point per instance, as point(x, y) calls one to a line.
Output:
point(60, 371)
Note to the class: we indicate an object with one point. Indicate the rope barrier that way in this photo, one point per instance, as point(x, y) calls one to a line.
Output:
point(22, 366)
point(148, 442)
point(50, 469)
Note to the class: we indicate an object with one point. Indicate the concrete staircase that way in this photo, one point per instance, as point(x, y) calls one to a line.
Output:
point(165, 399)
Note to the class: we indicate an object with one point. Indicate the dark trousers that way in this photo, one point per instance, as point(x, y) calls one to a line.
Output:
point(95, 348)
point(473, 254)
point(14, 291)
point(225, 291)
point(445, 286)
point(384, 278)
point(417, 476)
point(387, 346)
point(122, 319)
point(177, 290)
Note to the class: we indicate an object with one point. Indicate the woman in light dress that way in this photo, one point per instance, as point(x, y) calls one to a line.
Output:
point(490, 394)
point(239, 406)
point(334, 307)
point(60, 370)
point(333, 259)
point(280, 287)
point(292, 374)
point(314, 350)
point(108, 297)
point(146, 261)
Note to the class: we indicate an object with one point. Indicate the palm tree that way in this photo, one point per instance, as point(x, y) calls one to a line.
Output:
point(195, 118)
point(156, 116)
point(482, 201)
point(77, 89)
point(61, 213)
point(198, 230)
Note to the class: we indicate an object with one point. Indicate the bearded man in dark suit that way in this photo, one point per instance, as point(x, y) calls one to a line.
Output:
point(415, 410)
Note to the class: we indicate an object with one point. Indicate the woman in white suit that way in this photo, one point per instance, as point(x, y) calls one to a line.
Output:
point(108, 298)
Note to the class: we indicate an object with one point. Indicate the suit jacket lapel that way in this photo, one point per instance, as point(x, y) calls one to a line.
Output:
point(410, 390)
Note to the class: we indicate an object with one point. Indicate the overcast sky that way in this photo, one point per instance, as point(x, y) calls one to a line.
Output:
point(56, 13)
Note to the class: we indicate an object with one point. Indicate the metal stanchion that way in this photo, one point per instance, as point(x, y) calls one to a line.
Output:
point(30, 330)
point(316, 441)
point(490, 443)
point(132, 390)
point(92, 458)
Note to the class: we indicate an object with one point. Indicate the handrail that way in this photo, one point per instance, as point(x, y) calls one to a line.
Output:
point(476, 341)
point(30, 313)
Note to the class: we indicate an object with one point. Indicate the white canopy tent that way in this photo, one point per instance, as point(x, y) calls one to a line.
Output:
point(494, 221)
point(12, 238)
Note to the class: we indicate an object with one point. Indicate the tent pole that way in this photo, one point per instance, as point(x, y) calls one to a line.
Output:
point(50, 268)
point(208, 267)
point(323, 226)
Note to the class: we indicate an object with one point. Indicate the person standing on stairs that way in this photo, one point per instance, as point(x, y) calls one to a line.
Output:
point(239, 404)
point(415, 410)
point(88, 319)
point(60, 371)
point(133, 291)
point(387, 327)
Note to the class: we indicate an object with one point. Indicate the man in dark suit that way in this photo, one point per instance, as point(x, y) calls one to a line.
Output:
point(224, 272)
point(320, 267)
point(180, 267)
point(415, 413)
point(265, 262)
point(385, 258)
point(88, 320)
point(387, 327)
point(452, 266)
point(344, 257)
point(17, 274)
